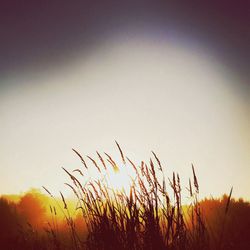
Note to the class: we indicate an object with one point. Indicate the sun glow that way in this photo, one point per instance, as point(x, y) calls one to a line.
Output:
point(121, 179)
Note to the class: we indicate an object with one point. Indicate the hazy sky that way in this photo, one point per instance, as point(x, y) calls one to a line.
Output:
point(153, 75)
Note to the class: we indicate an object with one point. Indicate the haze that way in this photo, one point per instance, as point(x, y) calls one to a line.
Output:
point(145, 91)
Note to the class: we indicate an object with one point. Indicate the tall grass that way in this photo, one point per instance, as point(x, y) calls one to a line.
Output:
point(150, 216)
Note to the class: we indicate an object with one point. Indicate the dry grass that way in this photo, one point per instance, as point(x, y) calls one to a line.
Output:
point(150, 215)
point(144, 218)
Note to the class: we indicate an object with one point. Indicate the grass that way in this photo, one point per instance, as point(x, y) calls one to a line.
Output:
point(148, 215)
point(144, 218)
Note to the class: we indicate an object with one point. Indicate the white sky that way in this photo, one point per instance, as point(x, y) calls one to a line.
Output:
point(149, 95)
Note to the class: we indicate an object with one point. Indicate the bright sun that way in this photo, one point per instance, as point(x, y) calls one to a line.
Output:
point(121, 179)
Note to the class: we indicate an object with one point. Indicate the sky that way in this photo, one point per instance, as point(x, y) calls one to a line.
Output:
point(154, 75)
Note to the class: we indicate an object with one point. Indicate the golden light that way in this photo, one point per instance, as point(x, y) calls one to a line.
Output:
point(121, 179)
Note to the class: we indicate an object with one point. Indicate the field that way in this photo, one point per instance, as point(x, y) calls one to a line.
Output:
point(148, 212)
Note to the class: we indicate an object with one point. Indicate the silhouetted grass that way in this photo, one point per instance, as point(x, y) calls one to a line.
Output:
point(150, 215)
point(144, 218)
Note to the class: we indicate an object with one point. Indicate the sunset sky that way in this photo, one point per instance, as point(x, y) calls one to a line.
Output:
point(153, 75)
